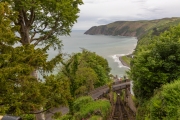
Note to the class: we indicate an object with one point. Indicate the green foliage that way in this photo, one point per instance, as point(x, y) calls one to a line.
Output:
point(115, 97)
point(21, 92)
point(142, 111)
point(156, 29)
point(156, 64)
point(98, 64)
point(6, 30)
point(164, 105)
point(85, 107)
point(126, 59)
point(56, 91)
point(95, 118)
point(28, 117)
point(102, 106)
point(81, 102)
point(16, 64)
point(122, 95)
point(66, 117)
point(45, 18)
point(84, 71)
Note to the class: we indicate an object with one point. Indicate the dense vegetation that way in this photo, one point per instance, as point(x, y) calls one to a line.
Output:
point(164, 105)
point(156, 64)
point(22, 93)
point(87, 108)
point(83, 72)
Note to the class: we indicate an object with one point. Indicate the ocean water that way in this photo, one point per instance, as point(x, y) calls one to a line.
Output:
point(109, 47)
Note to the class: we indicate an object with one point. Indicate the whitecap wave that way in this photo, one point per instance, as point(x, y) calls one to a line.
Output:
point(116, 59)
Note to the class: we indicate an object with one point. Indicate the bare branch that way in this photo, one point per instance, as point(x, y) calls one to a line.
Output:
point(25, 16)
point(32, 17)
point(39, 111)
point(32, 36)
point(45, 37)
point(48, 35)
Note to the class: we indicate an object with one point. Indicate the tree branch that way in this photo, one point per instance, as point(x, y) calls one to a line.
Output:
point(35, 32)
point(48, 35)
point(32, 17)
point(39, 111)
point(26, 21)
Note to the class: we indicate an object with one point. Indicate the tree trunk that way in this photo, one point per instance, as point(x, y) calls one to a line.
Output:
point(40, 116)
point(25, 25)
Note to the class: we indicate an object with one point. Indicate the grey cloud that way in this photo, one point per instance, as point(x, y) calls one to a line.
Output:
point(152, 9)
point(94, 11)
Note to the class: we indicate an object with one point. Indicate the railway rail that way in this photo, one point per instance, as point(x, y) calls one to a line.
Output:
point(121, 111)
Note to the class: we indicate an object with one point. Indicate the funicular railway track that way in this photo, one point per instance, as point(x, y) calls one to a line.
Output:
point(117, 115)
point(121, 111)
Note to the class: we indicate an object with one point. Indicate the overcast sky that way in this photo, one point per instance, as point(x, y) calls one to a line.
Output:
point(100, 12)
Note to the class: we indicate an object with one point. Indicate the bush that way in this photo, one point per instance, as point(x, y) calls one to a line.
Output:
point(66, 117)
point(164, 105)
point(28, 117)
point(86, 107)
point(102, 107)
point(96, 118)
point(82, 101)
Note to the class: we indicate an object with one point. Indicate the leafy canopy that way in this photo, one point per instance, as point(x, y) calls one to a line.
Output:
point(40, 21)
point(156, 64)
point(22, 93)
point(164, 105)
point(84, 72)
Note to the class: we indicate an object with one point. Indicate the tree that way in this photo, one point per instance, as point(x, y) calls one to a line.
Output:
point(45, 19)
point(17, 86)
point(41, 21)
point(21, 92)
point(84, 71)
point(156, 64)
point(98, 64)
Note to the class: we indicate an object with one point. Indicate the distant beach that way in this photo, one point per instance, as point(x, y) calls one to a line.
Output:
point(123, 62)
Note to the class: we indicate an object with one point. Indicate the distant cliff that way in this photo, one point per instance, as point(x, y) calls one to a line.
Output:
point(132, 28)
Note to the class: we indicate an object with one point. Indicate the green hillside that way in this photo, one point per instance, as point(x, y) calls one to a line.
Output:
point(134, 28)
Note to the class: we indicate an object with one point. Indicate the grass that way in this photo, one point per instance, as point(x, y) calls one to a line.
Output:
point(103, 106)
point(115, 97)
point(86, 108)
point(126, 59)
point(95, 118)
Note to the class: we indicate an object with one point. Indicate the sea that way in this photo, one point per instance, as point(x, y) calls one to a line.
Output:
point(109, 47)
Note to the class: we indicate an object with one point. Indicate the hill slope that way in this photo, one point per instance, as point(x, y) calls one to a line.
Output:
point(133, 28)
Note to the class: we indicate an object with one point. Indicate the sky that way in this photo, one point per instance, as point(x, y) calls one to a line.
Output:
point(101, 12)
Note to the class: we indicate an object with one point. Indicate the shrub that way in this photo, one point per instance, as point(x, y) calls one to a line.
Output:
point(101, 106)
point(82, 101)
point(164, 105)
point(96, 118)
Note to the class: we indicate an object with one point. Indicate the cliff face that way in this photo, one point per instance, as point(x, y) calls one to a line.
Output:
point(131, 28)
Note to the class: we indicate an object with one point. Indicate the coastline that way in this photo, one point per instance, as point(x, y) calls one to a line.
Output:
point(123, 62)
